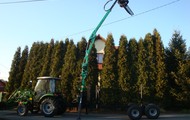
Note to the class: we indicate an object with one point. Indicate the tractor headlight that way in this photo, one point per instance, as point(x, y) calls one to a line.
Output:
point(30, 99)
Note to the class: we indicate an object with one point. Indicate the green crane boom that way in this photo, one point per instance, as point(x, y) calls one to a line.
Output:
point(123, 3)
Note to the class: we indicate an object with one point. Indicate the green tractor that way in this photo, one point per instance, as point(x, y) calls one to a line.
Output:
point(46, 98)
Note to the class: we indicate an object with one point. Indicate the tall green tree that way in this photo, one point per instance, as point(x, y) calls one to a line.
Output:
point(48, 60)
point(109, 82)
point(68, 71)
point(13, 78)
point(58, 59)
point(123, 70)
point(141, 71)
point(38, 62)
point(150, 67)
point(34, 64)
point(132, 63)
point(176, 65)
point(160, 68)
point(22, 65)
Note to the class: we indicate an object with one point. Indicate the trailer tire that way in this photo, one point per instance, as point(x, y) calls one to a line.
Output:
point(22, 110)
point(134, 112)
point(152, 111)
point(48, 107)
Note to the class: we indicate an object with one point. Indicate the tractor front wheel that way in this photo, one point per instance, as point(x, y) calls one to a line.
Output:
point(48, 107)
point(22, 110)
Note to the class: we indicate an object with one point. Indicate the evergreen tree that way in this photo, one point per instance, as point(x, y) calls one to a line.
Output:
point(160, 69)
point(141, 71)
point(68, 71)
point(26, 74)
point(38, 62)
point(48, 60)
point(176, 69)
point(58, 57)
point(34, 64)
point(109, 83)
point(176, 51)
point(13, 80)
point(22, 65)
point(123, 70)
point(150, 68)
point(132, 63)
point(66, 43)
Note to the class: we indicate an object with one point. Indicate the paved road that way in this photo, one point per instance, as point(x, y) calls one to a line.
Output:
point(11, 115)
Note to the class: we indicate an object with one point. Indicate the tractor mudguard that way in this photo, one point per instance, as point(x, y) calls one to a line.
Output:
point(45, 96)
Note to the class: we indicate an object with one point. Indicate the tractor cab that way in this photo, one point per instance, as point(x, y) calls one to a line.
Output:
point(46, 85)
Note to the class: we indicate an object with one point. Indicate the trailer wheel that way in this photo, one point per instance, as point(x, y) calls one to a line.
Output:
point(134, 112)
point(152, 111)
point(22, 110)
point(48, 107)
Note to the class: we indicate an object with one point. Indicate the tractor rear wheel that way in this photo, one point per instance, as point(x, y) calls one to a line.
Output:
point(22, 110)
point(48, 107)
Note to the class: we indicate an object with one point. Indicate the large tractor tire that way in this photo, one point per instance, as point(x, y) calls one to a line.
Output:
point(152, 111)
point(134, 112)
point(22, 110)
point(48, 107)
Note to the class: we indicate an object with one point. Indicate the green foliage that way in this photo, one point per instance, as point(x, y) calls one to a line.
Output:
point(13, 77)
point(22, 65)
point(68, 71)
point(34, 64)
point(48, 60)
point(160, 68)
point(150, 68)
point(123, 70)
point(177, 69)
point(109, 82)
point(182, 80)
point(132, 64)
point(141, 70)
point(58, 57)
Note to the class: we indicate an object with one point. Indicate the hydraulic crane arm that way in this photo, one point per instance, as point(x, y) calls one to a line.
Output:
point(122, 3)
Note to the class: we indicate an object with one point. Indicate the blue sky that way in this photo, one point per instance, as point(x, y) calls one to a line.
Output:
point(22, 24)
